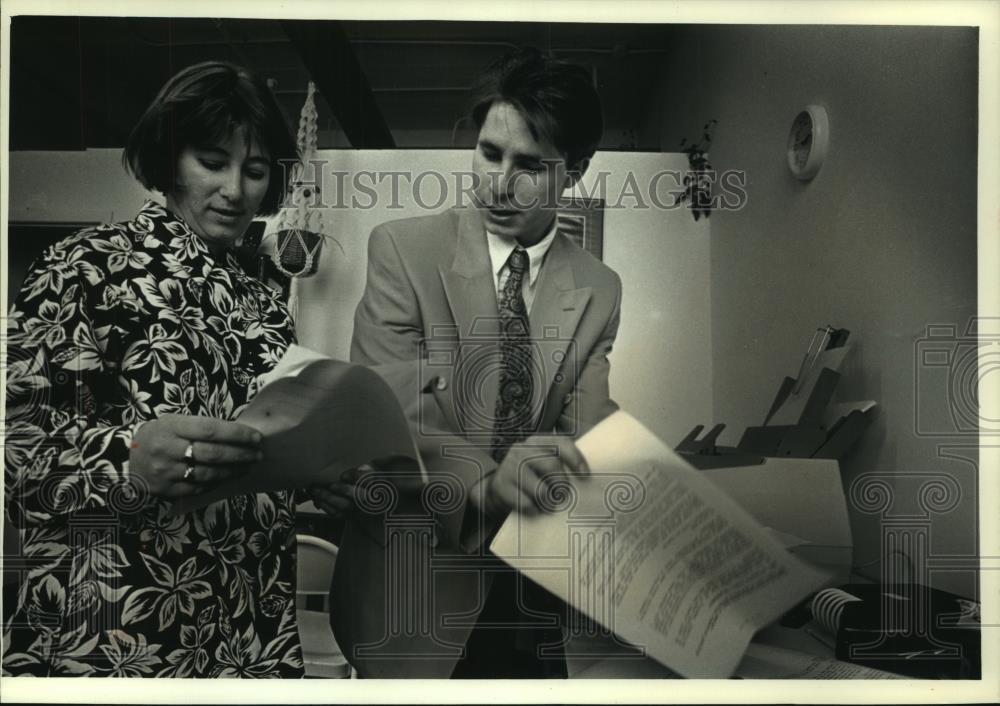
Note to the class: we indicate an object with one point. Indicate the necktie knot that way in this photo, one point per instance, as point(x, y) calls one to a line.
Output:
point(518, 261)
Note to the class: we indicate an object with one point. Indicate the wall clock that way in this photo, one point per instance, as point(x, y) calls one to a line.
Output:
point(808, 142)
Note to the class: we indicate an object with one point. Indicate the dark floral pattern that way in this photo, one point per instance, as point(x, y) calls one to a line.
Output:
point(116, 325)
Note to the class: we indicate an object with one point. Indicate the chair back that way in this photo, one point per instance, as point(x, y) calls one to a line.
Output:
point(321, 656)
point(316, 559)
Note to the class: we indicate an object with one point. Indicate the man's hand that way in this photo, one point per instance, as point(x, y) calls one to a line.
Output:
point(527, 469)
point(338, 499)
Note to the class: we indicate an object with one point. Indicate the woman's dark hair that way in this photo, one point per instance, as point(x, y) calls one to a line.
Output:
point(556, 98)
point(201, 106)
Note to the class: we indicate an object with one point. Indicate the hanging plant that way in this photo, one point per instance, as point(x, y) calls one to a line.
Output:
point(300, 225)
point(698, 180)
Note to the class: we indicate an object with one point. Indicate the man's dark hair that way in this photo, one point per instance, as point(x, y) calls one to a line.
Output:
point(199, 107)
point(556, 98)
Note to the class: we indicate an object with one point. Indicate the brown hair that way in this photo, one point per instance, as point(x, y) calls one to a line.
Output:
point(556, 98)
point(202, 105)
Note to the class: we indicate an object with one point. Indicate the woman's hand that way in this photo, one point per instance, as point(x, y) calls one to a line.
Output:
point(219, 449)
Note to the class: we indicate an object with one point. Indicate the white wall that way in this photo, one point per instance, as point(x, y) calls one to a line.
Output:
point(661, 369)
point(882, 241)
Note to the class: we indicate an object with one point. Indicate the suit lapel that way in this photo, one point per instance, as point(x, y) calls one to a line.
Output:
point(471, 292)
point(468, 281)
point(555, 314)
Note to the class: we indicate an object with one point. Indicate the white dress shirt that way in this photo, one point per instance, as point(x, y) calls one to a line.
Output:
point(500, 250)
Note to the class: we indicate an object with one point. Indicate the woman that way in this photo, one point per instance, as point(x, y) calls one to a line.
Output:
point(132, 347)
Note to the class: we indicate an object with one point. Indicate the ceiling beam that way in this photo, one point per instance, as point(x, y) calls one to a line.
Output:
point(330, 59)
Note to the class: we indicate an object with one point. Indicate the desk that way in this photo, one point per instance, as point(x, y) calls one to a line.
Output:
point(776, 652)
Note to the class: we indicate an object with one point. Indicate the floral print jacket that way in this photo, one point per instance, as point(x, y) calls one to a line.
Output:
point(115, 325)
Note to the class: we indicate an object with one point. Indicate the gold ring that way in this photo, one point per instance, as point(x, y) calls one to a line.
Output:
point(188, 472)
point(189, 453)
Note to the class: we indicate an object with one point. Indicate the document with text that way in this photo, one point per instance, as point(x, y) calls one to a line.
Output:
point(801, 502)
point(655, 553)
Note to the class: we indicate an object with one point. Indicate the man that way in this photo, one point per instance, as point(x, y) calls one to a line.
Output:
point(511, 324)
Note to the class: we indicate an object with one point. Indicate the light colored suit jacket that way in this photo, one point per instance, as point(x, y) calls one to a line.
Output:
point(410, 579)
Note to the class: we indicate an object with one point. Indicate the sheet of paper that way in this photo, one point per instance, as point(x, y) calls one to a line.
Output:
point(321, 418)
point(654, 552)
point(767, 662)
point(803, 498)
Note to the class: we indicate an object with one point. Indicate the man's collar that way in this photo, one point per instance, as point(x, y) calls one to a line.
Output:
point(501, 248)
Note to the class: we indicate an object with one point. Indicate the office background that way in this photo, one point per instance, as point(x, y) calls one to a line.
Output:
point(715, 312)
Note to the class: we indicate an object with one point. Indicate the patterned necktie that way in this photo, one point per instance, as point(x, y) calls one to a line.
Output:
point(514, 411)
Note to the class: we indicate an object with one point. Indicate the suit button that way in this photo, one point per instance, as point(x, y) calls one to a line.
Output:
point(442, 384)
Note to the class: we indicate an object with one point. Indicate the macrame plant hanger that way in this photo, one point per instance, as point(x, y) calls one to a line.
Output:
point(300, 226)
